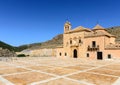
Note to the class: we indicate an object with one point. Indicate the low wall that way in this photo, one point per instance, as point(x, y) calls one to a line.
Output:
point(43, 52)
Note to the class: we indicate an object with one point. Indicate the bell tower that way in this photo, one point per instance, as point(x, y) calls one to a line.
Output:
point(67, 27)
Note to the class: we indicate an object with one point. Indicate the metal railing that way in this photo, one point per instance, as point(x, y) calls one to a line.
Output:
point(93, 48)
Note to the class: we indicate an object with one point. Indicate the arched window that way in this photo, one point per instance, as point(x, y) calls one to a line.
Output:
point(60, 54)
point(65, 54)
point(66, 27)
point(70, 41)
point(75, 53)
point(87, 54)
point(80, 40)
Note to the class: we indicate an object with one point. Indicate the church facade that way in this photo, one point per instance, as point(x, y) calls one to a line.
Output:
point(82, 42)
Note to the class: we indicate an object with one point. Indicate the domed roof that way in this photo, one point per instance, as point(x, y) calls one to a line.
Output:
point(99, 31)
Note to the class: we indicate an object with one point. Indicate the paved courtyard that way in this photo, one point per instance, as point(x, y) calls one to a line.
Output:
point(58, 71)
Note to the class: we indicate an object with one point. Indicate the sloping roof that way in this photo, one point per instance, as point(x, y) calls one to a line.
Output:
point(80, 28)
point(98, 27)
point(98, 33)
point(112, 46)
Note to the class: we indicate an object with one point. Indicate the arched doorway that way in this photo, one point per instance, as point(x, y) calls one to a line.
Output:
point(75, 53)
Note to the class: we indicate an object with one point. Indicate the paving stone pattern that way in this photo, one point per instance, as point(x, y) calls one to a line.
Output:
point(59, 71)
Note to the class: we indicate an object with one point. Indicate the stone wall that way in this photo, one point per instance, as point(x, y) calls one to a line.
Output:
point(43, 53)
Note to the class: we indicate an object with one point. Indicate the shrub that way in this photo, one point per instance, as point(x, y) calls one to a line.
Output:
point(21, 55)
point(27, 55)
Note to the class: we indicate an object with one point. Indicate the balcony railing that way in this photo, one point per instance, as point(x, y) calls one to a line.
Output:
point(93, 48)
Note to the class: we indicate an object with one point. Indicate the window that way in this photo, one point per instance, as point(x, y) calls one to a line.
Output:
point(67, 27)
point(93, 44)
point(65, 54)
point(109, 56)
point(79, 40)
point(70, 41)
point(87, 54)
point(60, 54)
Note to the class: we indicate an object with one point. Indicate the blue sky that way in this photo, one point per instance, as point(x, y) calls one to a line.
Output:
point(30, 21)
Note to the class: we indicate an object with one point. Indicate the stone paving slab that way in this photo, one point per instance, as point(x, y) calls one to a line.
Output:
point(2, 83)
point(106, 71)
point(21, 64)
point(79, 67)
point(113, 67)
point(26, 78)
point(12, 70)
point(6, 67)
point(96, 79)
point(61, 82)
point(87, 65)
point(57, 71)
point(39, 67)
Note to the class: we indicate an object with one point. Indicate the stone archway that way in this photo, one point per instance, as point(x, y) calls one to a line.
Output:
point(75, 53)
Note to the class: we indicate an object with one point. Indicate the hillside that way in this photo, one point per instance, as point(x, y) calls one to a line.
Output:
point(115, 31)
point(6, 50)
point(6, 46)
point(56, 41)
